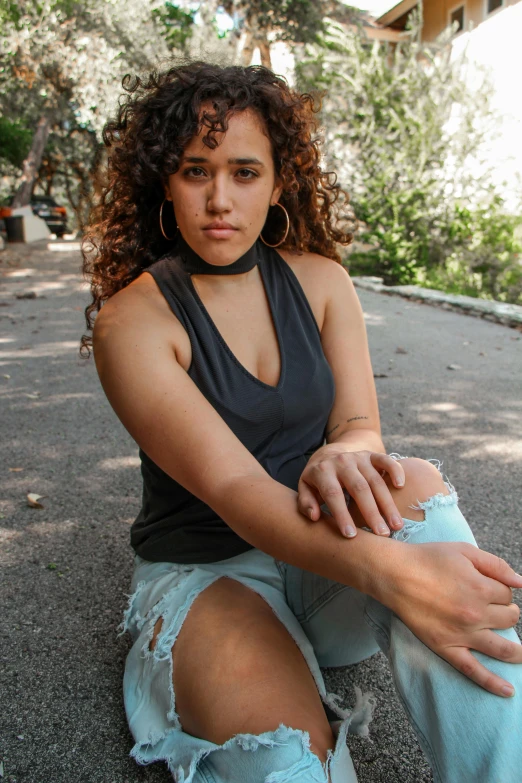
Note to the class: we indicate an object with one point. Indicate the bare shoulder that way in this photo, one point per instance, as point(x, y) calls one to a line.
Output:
point(312, 265)
point(143, 293)
point(320, 277)
point(139, 308)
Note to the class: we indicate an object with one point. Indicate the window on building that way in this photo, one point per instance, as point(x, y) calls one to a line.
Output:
point(493, 5)
point(457, 15)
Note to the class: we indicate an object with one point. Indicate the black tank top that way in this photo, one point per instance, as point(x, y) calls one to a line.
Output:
point(281, 426)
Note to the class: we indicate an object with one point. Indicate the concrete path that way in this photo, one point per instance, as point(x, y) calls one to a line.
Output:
point(66, 568)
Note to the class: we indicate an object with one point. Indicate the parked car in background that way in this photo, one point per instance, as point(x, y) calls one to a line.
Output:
point(54, 215)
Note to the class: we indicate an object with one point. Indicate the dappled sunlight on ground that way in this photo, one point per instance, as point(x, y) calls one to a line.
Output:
point(63, 247)
point(20, 272)
point(49, 528)
point(42, 349)
point(373, 319)
point(115, 463)
point(443, 406)
point(47, 402)
point(505, 450)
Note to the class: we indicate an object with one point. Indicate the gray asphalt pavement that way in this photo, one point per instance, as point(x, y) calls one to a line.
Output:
point(65, 569)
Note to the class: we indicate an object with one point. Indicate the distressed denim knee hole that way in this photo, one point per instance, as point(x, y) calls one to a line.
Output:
point(157, 630)
point(280, 756)
point(433, 503)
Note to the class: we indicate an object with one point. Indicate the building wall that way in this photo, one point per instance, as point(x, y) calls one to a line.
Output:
point(491, 43)
point(437, 14)
point(494, 46)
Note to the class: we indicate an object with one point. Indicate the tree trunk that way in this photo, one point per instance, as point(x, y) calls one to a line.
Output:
point(250, 45)
point(256, 38)
point(85, 194)
point(264, 51)
point(32, 163)
point(248, 49)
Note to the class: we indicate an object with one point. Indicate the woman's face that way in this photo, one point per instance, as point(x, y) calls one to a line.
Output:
point(233, 184)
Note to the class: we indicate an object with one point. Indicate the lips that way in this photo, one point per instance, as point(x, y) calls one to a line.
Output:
point(219, 230)
point(218, 225)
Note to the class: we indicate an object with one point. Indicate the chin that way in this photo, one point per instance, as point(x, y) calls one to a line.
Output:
point(225, 249)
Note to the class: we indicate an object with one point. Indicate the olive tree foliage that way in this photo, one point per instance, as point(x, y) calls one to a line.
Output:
point(61, 68)
point(192, 33)
point(265, 21)
point(258, 24)
point(408, 138)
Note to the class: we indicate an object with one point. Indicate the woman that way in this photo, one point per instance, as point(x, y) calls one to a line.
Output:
point(276, 535)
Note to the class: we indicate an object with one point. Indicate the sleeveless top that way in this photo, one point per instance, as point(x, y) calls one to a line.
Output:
point(281, 426)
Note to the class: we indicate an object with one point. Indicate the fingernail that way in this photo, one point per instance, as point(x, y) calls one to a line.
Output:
point(396, 521)
point(349, 531)
point(508, 690)
point(400, 482)
point(310, 511)
point(384, 530)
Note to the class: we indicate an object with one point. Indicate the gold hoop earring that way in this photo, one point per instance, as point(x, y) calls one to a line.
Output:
point(161, 222)
point(277, 204)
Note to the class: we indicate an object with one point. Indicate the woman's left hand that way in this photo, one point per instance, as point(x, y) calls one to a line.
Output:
point(330, 471)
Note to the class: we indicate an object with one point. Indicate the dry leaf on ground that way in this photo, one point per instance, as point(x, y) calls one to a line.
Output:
point(33, 499)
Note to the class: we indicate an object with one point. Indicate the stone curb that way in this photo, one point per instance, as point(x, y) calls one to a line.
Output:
point(507, 314)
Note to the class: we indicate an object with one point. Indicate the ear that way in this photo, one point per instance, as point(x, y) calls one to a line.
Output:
point(168, 195)
point(276, 193)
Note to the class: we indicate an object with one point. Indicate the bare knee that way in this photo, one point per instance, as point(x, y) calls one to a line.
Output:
point(423, 480)
point(236, 669)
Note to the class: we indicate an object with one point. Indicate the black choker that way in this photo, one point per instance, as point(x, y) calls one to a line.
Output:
point(195, 265)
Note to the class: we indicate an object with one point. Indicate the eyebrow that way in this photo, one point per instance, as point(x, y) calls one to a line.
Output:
point(234, 161)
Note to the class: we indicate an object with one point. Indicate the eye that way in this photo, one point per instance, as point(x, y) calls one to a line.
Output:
point(190, 172)
point(250, 174)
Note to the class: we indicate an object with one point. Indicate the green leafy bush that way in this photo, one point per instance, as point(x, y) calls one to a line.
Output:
point(486, 255)
point(15, 141)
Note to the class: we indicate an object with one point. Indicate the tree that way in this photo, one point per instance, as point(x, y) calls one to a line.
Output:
point(63, 61)
point(265, 21)
point(406, 135)
point(70, 163)
point(15, 141)
point(176, 25)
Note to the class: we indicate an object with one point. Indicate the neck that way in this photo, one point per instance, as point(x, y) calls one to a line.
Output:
point(193, 263)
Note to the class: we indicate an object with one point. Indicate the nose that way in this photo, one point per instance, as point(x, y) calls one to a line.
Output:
point(219, 196)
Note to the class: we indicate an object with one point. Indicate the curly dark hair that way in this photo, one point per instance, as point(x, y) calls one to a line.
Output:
point(155, 122)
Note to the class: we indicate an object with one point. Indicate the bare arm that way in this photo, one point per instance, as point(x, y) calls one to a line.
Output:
point(354, 458)
point(264, 513)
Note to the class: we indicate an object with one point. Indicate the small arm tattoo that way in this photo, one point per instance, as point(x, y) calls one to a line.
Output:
point(354, 418)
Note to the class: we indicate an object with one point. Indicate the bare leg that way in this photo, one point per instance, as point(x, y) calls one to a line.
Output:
point(244, 672)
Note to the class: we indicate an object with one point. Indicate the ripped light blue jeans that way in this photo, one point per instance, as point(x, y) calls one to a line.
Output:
point(467, 734)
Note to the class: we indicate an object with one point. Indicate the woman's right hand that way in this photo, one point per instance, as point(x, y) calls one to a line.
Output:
point(450, 595)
